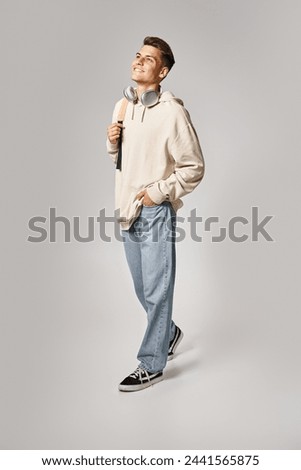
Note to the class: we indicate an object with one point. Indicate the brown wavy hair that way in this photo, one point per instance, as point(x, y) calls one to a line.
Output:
point(166, 52)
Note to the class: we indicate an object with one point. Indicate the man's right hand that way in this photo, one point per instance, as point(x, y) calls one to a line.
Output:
point(113, 132)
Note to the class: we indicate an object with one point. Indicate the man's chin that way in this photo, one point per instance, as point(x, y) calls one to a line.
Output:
point(135, 79)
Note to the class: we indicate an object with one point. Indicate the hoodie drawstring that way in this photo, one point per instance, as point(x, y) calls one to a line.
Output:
point(133, 112)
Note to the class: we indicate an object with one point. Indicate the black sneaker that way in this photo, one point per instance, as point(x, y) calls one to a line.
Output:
point(174, 343)
point(139, 380)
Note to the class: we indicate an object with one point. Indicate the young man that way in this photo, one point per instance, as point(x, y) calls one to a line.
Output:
point(159, 160)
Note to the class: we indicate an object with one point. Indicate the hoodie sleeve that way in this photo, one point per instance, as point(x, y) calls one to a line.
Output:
point(188, 171)
point(112, 149)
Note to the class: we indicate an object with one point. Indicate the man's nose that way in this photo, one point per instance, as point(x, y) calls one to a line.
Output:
point(139, 61)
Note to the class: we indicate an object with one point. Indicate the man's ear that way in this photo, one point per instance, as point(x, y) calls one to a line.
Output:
point(163, 72)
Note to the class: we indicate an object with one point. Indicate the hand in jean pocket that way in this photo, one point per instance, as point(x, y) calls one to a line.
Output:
point(146, 200)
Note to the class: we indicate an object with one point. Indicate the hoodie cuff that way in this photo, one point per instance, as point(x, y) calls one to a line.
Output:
point(155, 194)
point(111, 147)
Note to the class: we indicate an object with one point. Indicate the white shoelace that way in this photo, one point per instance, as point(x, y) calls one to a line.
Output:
point(139, 372)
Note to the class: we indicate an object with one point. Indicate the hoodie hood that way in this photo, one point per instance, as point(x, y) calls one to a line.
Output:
point(165, 96)
point(168, 96)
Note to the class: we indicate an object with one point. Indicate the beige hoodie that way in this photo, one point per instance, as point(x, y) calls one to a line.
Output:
point(160, 153)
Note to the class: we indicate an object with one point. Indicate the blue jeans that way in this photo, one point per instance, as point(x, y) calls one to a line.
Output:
point(150, 251)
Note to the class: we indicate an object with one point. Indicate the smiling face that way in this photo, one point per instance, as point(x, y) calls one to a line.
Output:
point(147, 68)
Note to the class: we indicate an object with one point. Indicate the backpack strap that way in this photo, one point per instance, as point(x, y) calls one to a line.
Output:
point(122, 110)
point(120, 119)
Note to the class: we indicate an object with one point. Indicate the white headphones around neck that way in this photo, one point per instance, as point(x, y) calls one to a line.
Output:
point(148, 98)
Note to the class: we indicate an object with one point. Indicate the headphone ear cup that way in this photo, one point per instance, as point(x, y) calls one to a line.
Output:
point(149, 98)
point(130, 94)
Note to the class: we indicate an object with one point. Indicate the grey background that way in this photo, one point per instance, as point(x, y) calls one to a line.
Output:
point(70, 323)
